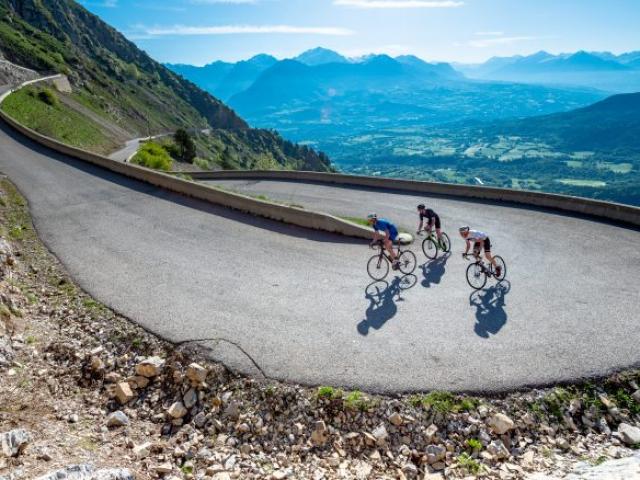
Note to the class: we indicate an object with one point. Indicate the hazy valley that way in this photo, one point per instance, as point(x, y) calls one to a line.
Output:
point(404, 117)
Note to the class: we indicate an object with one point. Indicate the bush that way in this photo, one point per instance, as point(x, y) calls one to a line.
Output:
point(185, 145)
point(152, 155)
point(49, 97)
point(202, 163)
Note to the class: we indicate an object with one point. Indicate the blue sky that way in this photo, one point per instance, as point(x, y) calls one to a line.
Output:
point(200, 31)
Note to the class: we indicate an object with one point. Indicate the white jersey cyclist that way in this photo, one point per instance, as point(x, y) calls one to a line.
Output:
point(480, 241)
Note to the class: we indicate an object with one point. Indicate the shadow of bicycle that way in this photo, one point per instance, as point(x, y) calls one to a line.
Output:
point(383, 298)
point(490, 312)
point(433, 270)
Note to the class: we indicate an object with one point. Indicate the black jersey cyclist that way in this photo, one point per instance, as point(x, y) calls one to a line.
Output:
point(432, 220)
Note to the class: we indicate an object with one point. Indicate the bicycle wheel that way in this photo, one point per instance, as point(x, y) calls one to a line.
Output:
point(446, 242)
point(476, 278)
point(407, 262)
point(503, 266)
point(378, 267)
point(430, 248)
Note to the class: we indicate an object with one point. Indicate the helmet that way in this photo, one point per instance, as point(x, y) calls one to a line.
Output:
point(463, 229)
point(372, 216)
point(421, 206)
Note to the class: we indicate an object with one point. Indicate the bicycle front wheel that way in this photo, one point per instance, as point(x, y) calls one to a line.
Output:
point(407, 262)
point(445, 242)
point(378, 267)
point(476, 278)
point(503, 268)
point(430, 248)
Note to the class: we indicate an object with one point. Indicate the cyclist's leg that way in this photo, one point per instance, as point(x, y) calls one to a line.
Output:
point(477, 246)
point(388, 244)
point(487, 251)
point(438, 228)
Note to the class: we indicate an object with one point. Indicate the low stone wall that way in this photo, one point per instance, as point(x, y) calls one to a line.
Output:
point(292, 215)
point(604, 210)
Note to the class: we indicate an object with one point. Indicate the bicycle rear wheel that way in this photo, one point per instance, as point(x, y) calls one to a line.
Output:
point(407, 262)
point(476, 278)
point(503, 268)
point(378, 267)
point(430, 248)
point(446, 242)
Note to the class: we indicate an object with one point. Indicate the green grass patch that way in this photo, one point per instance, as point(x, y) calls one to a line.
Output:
point(615, 167)
point(328, 393)
point(41, 110)
point(356, 400)
point(470, 464)
point(582, 183)
point(153, 155)
point(444, 402)
point(357, 220)
point(474, 444)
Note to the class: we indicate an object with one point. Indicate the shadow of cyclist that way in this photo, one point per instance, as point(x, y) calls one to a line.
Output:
point(382, 301)
point(433, 270)
point(490, 313)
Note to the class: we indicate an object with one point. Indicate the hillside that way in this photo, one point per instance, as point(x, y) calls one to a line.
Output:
point(114, 78)
point(612, 124)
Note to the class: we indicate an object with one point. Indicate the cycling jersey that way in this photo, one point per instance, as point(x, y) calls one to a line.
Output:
point(383, 225)
point(431, 216)
point(477, 236)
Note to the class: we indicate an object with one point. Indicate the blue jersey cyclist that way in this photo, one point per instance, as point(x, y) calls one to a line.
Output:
point(389, 235)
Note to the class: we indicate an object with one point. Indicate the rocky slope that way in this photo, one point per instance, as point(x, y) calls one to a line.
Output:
point(118, 80)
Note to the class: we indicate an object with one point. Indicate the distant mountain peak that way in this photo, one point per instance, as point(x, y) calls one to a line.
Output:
point(320, 56)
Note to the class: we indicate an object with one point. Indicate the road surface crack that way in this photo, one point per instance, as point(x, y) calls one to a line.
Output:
point(230, 342)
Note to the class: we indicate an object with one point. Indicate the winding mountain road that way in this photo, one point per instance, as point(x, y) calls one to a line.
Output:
point(290, 304)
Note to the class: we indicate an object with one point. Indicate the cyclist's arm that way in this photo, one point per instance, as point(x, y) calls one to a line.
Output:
point(432, 221)
point(420, 225)
point(466, 250)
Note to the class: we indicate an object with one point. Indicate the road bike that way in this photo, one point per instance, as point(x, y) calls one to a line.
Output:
point(378, 265)
point(431, 245)
point(479, 272)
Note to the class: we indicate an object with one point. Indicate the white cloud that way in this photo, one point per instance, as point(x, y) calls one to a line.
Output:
point(489, 34)
point(490, 42)
point(103, 4)
point(184, 30)
point(391, 50)
point(399, 3)
point(233, 2)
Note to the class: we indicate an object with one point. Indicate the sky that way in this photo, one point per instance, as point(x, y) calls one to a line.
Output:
point(466, 31)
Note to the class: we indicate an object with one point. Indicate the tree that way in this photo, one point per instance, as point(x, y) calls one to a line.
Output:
point(186, 147)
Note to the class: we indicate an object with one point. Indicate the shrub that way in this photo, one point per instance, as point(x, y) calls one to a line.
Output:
point(186, 147)
point(471, 465)
point(49, 97)
point(152, 155)
point(474, 444)
point(202, 163)
point(329, 393)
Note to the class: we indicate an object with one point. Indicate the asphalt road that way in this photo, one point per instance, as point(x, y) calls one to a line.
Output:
point(291, 304)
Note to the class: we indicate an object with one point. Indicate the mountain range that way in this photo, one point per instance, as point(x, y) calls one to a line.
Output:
point(121, 83)
point(224, 80)
point(602, 70)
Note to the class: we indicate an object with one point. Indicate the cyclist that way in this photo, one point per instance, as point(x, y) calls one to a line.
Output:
point(390, 235)
point(480, 240)
point(432, 220)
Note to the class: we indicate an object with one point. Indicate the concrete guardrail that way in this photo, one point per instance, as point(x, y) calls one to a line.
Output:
point(616, 212)
point(292, 215)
